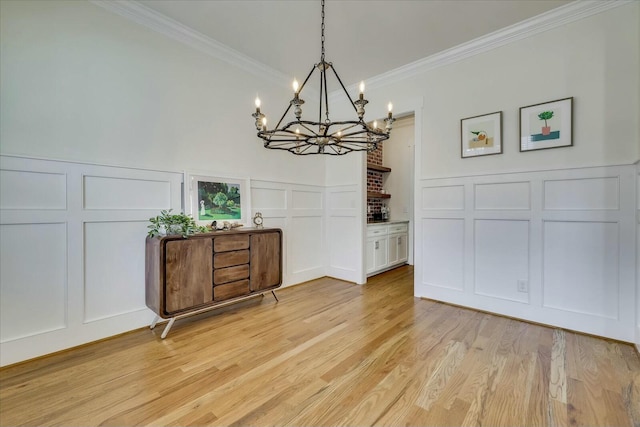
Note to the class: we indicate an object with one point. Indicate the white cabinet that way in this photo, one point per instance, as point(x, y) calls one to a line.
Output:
point(398, 249)
point(386, 246)
point(377, 248)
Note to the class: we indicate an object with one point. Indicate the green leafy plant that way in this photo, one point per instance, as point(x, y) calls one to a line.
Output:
point(545, 115)
point(168, 223)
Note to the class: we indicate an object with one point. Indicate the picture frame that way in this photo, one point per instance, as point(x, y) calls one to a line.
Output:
point(214, 198)
point(481, 135)
point(546, 125)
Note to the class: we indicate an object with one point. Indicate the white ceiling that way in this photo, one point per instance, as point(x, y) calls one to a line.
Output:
point(363, 38)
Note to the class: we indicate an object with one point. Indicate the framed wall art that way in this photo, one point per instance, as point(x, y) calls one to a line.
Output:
point(546, 125)
point(218, 199)
point(481, 135)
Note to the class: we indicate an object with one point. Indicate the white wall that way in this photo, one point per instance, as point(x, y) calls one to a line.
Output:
point(72, 258)
point(398, 154)
point(593, 59)
point(568, 235)
point(86, 86)
point(81, 83)
point(638, 257)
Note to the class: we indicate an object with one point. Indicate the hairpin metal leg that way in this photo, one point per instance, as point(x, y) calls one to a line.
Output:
point(274, 295)
point(167, 328)
point(155, 322)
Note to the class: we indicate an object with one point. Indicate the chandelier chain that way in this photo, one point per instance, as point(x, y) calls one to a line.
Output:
point(322, 31)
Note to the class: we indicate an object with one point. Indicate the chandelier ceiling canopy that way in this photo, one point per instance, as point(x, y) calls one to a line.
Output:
point(301, 136)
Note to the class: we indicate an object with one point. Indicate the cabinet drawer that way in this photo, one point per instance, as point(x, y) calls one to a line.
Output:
point(231, 290)
point(398, 228)
point(230, 274)
point(230, 243)
point(228, 259)
point(376, 231)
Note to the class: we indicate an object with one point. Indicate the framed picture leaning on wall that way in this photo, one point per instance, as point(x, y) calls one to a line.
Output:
point(218, 199)
point(481, 135)
point(546, 125)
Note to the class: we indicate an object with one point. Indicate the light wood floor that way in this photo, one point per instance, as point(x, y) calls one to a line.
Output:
point(333, 353)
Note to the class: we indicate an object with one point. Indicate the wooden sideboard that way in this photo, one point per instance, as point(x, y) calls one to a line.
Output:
point(204, 271)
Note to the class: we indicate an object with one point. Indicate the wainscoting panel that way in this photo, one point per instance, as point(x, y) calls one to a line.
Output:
point(32, 190)
point(554, 247)
point(112, 275)
point(586, 193)
point(106, 192)
point(443, 197)
point(33, 279)
point(580, 271)
point(443, 249)
point(307, 199)
point(503, 196)
point(268, 198)
point(501, 254)
point(345, 232)
point(84, 227)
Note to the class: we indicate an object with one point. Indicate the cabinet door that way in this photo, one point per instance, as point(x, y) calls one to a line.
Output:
point(381, 255)
point(188, 274)
point(265, 261)
point(370, 255)
point(403, 248)
point(393, 249)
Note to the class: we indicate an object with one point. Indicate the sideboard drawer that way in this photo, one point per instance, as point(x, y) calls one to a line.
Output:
point(231, 290)
point(228, 259)
point(230, 274)
point(230, 243)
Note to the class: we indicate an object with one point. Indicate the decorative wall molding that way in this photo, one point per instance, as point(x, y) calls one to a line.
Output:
point(85, 225)
point(567, 259)
point(546, 21)
point(552, 19)
point(171, 28)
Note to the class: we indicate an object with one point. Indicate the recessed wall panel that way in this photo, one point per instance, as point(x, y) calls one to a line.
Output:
point(445, 197)
point(268, 198)
point(582, 194)
point(342, 200)
point(503, 196)
point(443, 253)
point(341, 253)
point(306, 243)
point(581, 261)
point(114, 268)
point(32, 190)
point(33, 279)
point(501, 249)
point(306, 199)
point(125, 193)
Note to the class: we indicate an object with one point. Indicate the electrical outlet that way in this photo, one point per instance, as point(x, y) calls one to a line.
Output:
point(523, 286)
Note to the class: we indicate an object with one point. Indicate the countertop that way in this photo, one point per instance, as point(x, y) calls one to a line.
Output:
point(398, 221)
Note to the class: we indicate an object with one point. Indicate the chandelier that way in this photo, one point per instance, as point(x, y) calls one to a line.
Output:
point(304, 137)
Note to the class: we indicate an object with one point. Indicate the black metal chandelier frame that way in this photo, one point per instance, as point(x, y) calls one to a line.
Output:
point(304, 137)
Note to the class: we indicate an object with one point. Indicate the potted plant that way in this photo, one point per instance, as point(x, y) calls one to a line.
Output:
point(546, 115)
point(167, 223)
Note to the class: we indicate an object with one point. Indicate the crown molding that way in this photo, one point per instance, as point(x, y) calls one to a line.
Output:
point(554, 18)
point(149, 18)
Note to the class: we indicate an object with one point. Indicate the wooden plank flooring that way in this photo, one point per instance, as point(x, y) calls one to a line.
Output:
point(333, 353)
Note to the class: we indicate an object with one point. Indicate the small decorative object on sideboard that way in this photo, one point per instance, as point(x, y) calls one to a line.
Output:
point(257, 220)
point(167, 223)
